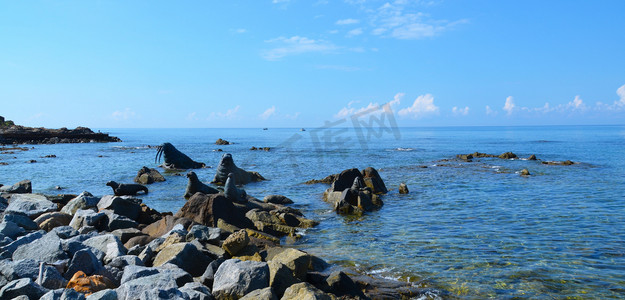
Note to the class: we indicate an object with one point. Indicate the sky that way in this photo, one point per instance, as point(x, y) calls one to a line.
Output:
point(302, 63)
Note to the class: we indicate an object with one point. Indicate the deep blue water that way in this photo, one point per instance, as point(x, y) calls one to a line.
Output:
point(477, 229)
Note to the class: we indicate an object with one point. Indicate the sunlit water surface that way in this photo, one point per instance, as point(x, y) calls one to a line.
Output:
point(477, 229)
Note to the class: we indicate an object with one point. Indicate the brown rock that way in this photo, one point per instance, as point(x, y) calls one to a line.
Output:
point(50, 220)
point(89, 284)
point(164, 225)
point(138, 240)
point(208, 209)
point(236, 242)
point(403, 188)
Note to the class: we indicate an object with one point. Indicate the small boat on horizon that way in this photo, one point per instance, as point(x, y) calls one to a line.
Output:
point(265, 128)
point(302, 129)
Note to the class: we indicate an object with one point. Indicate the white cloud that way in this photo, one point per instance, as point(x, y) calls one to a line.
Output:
point(279, 1)
point(354, 32)
point(350, 110)
point(347, 22)
point(396, 99)
point(422, 106)
point(576, 104)
point(239, 30)
point(621, 93)
point(460, 111)
point(268, 113)
point(292, 116)
point(490, 111)
point(509, 106)
point(229, 114)
point(123, 114)
point(296, 45)
point(192, 116)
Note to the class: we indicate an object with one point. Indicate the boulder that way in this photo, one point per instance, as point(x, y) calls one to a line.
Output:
point(107, 243)
point(83, 201)
point(262, 294)
point(235, 242)
point(11, 247)
point(31, 205)
point(525, 172)
point(103, 295)
point(148, 176)
point(532, 157)
point(148, 215)
point(51, 220)
point(208, 209)
point(84, 260)
point(46, 249)
point(196, 291)
point(83, 218)
point(345, 180)
point(304, 290)
point(507, 155)
point(89, 284)
point(208, 276)
point(140, 240)
point(126, 206)
point(205, 234)
point(184, 255)
point(63, 294)
point(403, 188)
point(165, 225)
point(139, 280)
point(29, 268)
point(280, 277)
point(22, 187)
point(277, 199)
point(116, 221)
point(11, 230)
point(236, 278)
point(341, 285)
point(51, 278)
point(296, 260)
point(65, 232)
point(20, 220)
point(373, 180)
point(22, 287)
point(126, 234)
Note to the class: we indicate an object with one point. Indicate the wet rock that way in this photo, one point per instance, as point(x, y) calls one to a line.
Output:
point(403, 188)
point(525, 172)
point(126, 206)
point(109, 244)
point(236, 278)
point(235, 242)
point(532, 157)
point(304, 290)
point(22, 287)
point(345, 180)
point(328, 179)
point(277, 199)
point(31, 205)
point(148, 176)
point(296, 260)
point(22, 187)
point(51, 220)
point(280, 277)
point(227, 166)
point(208, 209)
point(372, 179)
point(342, 285)
point(222, 142)
point(507, 155)
point(184, 255)
point(559, 163)
point(83, 201)
point(46, 249)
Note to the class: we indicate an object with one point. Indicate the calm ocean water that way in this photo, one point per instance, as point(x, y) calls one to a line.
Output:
point(477, 229)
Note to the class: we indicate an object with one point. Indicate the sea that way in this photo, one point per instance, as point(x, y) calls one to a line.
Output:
point(477, 229)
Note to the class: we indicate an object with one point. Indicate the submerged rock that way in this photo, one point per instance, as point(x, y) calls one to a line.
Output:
point(403, 188)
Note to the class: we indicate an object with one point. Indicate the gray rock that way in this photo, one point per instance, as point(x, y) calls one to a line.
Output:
point(137, 280)
point(5, 240)
point(65, 232)
point(205, 234)
point(32, 205)
point(22, 187)
point(86, 230)
point(83, 201)
point(24, 268)
point(280, 277)
point(46, 249)
point(184, 255)
point(196, 291)
point(103, 295)
point(126, 206)
point(235, 278)
point(10, 248)
point(209, 274)
point(116, 221)
point(63, 294)
point(22, 287)
point(125, 260)
point(87, 217)
point(51, 278)
point(84, 260)
point(126, 233)
point(304, 290)
point(109, 244)
point(277, 199)
point(73, 245)
point(21, 221)
point(262, 294)
point(11, 230)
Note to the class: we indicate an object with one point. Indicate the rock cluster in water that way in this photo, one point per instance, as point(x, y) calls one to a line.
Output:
point(16, 134)
point(356, 192)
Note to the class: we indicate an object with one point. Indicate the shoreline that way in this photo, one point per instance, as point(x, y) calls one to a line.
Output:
point(11, 134)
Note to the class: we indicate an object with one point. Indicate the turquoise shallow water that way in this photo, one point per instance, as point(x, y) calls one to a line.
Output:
point(477, 229)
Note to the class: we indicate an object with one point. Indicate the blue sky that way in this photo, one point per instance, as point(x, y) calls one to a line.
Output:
point(296, 63)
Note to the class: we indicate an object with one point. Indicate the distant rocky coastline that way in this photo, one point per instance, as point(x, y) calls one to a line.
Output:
point(17, 134)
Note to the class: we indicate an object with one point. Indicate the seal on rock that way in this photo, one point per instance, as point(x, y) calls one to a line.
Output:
point(227, 166)
point(195, 185)
point(124, 189)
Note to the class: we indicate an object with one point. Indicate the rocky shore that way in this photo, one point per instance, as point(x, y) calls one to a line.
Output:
point(116, 247)
point(16, 134)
